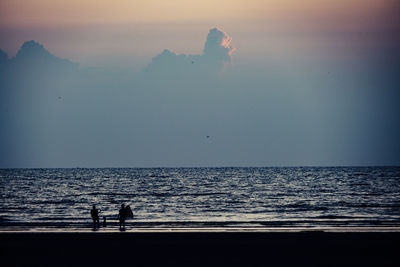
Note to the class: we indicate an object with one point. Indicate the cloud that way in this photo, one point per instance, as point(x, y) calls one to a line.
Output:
point(217, 52)
point(33, 53)
point(218, 46)
point(3, 61)
point(34, 69)
point(3, 56)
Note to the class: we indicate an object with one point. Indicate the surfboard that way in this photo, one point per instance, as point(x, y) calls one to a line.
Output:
point(129, 213)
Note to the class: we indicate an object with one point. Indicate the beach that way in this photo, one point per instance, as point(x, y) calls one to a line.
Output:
point(305, 216)
point(200, 248)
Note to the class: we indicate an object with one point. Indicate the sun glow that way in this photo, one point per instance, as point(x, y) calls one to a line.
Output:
point(50, 13)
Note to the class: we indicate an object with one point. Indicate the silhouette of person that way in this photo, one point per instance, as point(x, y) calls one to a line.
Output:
point(104, 221)
point(95, 217)
point(122, 217)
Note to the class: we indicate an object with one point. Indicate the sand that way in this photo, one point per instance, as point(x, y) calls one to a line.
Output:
point(201, 249)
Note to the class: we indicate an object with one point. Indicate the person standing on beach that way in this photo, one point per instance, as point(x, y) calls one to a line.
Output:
point(95, 217)
point(122, 217)
point(104, 221)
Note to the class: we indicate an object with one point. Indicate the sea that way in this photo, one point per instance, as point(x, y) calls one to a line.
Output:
point(287, 198)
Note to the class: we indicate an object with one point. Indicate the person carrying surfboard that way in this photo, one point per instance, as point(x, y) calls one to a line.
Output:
point(129, 213)
point(95, 217)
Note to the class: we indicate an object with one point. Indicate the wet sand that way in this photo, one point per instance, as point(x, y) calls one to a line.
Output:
point(314, 248)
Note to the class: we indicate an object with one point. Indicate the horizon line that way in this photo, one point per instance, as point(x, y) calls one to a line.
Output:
point(211, 167)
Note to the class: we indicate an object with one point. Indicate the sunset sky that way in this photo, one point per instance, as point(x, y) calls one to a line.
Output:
point(273, 82)
point(130, 33)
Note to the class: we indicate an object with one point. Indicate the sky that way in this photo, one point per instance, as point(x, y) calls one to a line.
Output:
point(105, 32)
point(143, 83)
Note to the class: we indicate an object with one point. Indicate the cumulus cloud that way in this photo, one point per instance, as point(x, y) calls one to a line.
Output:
point(34, 63)
point(217, 52)
point(218, 46)
point(34, 53)
point(3, 56)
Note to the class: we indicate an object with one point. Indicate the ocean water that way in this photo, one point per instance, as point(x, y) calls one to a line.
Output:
point(202, 197)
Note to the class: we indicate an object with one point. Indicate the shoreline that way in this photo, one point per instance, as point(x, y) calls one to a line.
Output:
point(307, 248)
point(38, 230)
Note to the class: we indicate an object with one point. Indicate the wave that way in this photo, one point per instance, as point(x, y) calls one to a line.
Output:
point(271, 196)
